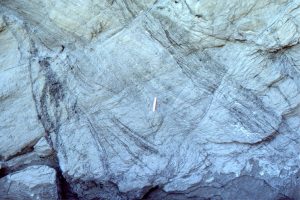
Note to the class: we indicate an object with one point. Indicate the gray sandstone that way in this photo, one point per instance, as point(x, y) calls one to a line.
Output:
point(78, 80)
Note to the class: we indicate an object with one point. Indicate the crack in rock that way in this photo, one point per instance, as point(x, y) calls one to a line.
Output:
point(77, 83)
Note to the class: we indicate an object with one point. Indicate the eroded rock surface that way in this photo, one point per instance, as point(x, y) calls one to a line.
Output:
point(78, 81)
point(34, 182)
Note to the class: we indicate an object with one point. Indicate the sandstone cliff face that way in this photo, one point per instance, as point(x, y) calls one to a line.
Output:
point(77, 83)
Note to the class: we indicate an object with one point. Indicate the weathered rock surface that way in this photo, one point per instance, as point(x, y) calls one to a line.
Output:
point(34, 182)
point(78, 79)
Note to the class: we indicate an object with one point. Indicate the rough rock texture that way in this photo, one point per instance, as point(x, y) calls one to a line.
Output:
point(78, 79)
point(35, 182)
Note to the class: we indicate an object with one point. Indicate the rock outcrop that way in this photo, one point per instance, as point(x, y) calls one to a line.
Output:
point(78, 80)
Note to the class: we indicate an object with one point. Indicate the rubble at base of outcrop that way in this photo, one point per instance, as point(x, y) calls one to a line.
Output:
point(151, 99)
point(34, 182)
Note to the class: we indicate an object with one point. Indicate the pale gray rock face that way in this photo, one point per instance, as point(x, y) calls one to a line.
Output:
point(34, 182)
point(78, 81)
point(19, 124)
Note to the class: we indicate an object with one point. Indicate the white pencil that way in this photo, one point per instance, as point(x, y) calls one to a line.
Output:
point(154, 104)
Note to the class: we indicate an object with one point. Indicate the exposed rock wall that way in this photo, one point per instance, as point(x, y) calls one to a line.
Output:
point(77, 83)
